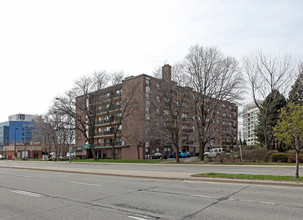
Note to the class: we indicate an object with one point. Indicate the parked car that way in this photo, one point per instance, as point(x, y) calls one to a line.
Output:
point(215, 152)
point(2, 157)
point(181, 155)
point(188, 154)
point(156, 156)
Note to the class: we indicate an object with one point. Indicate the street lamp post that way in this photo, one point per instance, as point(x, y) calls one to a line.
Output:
point(15, 149)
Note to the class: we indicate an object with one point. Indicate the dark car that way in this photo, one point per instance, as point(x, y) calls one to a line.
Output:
point(156, 156)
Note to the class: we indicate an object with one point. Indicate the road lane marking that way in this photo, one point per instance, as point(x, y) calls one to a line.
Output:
point(87, 184)
point(134, 217)
point(27, 193)
point(253, 201)
point(209, 197)
point(23, 176)
point(239, 200)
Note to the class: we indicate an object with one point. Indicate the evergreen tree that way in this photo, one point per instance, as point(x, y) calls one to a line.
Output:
point(296, 92)
point(272, 113)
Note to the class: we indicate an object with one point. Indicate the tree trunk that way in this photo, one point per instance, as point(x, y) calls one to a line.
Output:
point(201, 150)
point(177, 154)
point(138, 151)
point(297, 162)
point(93, 151)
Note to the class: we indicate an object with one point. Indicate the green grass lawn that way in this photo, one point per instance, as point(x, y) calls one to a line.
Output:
point(249, 176)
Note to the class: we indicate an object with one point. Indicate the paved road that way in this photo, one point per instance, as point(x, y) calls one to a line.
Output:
point(28, 194)
point(173, 168)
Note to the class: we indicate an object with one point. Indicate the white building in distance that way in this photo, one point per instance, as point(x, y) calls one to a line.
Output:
point(250, 122)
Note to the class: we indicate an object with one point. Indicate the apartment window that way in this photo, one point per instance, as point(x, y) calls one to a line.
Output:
point(184, 115)
point(119, 92)
point(147, 82)
point(147, 96)
point(223, 106)
point(158, 98)
point(166, 112)
point(158, 111)
point(107, 95)
point(99, 130)
point(99, 141)
point(118, 104)
point(147, 110)
point(158, 86)
point(157, 150)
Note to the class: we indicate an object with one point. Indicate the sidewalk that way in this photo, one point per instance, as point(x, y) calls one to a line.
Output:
point(180, 176)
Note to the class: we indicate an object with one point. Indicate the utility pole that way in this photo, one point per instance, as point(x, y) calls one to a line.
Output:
point(15, 149)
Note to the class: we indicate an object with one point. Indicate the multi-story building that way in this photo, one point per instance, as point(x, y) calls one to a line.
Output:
point(137, 135)
point(4, 133)
point(18, 129)
point(250, 122)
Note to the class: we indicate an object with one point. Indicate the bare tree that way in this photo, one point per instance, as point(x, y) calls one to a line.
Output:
point(52, 130)
point(172, 110)
point(215, 80)
point(120, 104)
point(139, 135)
point(266, 75)
point(82, 104)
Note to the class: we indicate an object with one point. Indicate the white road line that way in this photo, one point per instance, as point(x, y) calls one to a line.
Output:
point(23, 176)
point(134, 217)
point(27, 193)
point(239, 200)
point(209, 197)
point(253, 201)
point(87, 184)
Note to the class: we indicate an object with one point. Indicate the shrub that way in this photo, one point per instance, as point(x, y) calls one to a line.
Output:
point(256, 154)
point(269, 153)
point(279, 157)
point(292, 158)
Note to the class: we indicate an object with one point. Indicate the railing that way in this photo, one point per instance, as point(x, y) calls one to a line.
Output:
point(108, 144)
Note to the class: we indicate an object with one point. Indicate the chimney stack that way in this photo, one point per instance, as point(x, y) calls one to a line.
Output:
point(166, 72)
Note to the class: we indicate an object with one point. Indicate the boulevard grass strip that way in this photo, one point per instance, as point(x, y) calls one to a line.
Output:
point(249, 177)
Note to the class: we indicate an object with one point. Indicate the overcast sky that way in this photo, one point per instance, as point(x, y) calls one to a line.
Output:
point(46, 45)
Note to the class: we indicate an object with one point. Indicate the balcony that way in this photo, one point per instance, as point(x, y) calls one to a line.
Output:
point(187, 141)
point(110, 144)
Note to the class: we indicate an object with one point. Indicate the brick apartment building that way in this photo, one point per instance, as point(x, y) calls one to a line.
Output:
point(137, 135)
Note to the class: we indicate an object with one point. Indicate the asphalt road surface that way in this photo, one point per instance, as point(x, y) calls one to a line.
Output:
point(28, 194)
point(189, 168)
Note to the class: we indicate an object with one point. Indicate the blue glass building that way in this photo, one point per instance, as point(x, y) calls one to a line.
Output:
point(4, 133)
point(19, 128)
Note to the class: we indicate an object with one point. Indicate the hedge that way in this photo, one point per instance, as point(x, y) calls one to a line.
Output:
point(279, 157)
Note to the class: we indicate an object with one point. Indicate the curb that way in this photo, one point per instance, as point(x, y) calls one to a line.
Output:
point(196, 179)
